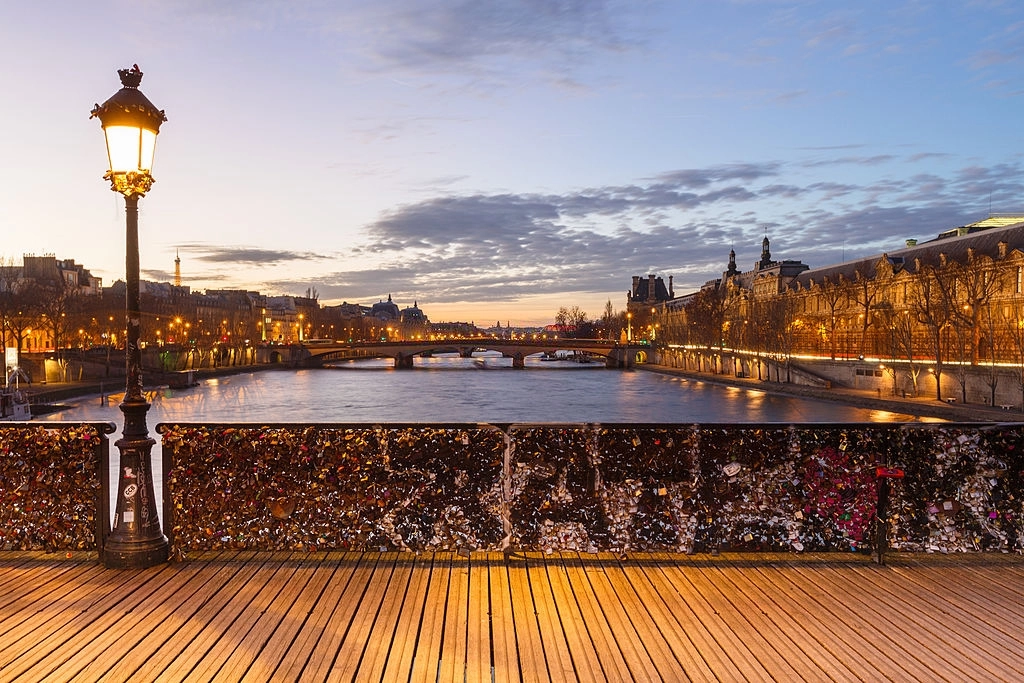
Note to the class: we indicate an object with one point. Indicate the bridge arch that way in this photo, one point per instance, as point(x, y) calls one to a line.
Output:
point(615, 355)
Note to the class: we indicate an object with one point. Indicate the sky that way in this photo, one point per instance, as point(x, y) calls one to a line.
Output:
point(496, 160)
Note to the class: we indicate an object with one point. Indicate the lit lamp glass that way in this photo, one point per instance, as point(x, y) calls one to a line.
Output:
point(130, 124)
point(130, 148)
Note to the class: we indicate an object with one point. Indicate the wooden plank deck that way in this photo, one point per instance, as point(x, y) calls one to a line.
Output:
point(531, 617)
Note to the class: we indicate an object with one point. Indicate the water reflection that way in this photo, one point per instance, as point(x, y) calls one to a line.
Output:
point(457, 390)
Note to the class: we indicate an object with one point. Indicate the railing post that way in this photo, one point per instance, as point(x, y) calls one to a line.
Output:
point(884, 475)
point(103, 473)
point(882, 521)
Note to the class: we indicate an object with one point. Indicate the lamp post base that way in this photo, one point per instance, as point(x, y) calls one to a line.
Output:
point(136, 541)
point(135, 554)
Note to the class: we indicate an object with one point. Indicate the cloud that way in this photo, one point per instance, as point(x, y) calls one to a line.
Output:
point(485, 42)
point(697, 178)
point(501, 247)
point(211, 253)
point(855, 161)
point(469, 30)
point(830, 32)
point(504, 246)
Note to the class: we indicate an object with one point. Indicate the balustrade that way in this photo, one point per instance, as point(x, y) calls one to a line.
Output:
point(546, 487)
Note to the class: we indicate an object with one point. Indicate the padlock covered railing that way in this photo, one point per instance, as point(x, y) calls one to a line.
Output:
point(590, 487)
point(54, 486)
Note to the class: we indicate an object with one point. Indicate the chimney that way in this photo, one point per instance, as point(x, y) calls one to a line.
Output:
point(671, 295)
point(650, 287)
point(1003, 247)
point(636, 283)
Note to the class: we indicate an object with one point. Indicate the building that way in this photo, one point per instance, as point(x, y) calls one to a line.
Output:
point(415, 324)
point(947, 303)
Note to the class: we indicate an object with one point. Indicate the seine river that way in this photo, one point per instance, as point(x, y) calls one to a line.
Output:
point(446, 389)
point(485, 389)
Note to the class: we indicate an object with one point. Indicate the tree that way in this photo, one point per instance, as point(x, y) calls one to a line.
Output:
point(9, 304)
point(57, 301)
point(611, 322)
point(994, 341)
point(934, 306)
point(778, 328)
point(863, 294)
point(977, 282)
point(1014, 325)
point(833, 294)
point(900, 326)
point(706, 314)
point(572, 320)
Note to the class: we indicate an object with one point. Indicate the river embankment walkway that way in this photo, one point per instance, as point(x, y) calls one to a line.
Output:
point(46, 396)
point(447, 617)
point(921, 405)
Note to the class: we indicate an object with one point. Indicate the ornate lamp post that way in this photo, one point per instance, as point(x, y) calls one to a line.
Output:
point(131, 123)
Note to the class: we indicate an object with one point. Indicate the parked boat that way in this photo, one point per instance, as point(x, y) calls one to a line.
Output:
point(14, 406)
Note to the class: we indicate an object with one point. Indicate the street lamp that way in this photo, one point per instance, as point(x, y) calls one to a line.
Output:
point(130, 124)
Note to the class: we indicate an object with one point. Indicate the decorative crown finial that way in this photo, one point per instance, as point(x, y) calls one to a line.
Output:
point(130, 78)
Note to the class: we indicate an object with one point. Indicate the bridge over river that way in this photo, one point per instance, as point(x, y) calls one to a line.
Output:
point(317, 354)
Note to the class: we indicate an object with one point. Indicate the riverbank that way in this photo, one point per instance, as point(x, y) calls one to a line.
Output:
point(47, 397)
point(921, 406)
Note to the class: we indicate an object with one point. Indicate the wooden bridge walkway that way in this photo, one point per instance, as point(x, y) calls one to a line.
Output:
point(446, 617)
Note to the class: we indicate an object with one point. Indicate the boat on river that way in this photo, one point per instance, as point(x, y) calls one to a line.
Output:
point(14, 405)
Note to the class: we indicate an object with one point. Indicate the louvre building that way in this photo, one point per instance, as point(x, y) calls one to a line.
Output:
point(950, 302)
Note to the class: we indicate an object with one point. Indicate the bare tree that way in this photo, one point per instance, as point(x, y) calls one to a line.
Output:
point(993, 337)
point(834, 295)
point(780, 328)
point(759, 340)
point(706, 312)
point(934, 307)
point(573, 320)
point(902, 343)
point(977, 282)
point(10, 276)
point(610, 322)
point(961, 344)
point(1014, 326)
point(863, 295)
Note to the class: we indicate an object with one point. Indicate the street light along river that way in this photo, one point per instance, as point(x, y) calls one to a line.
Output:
point(130, 126)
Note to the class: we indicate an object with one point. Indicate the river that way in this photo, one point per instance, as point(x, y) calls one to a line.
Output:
point(480, 389)
point(452, 389)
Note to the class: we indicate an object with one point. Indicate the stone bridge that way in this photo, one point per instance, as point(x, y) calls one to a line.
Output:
point(316, 355)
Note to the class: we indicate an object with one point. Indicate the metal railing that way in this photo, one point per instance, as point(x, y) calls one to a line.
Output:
point(54, 486)
point(593, 487)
